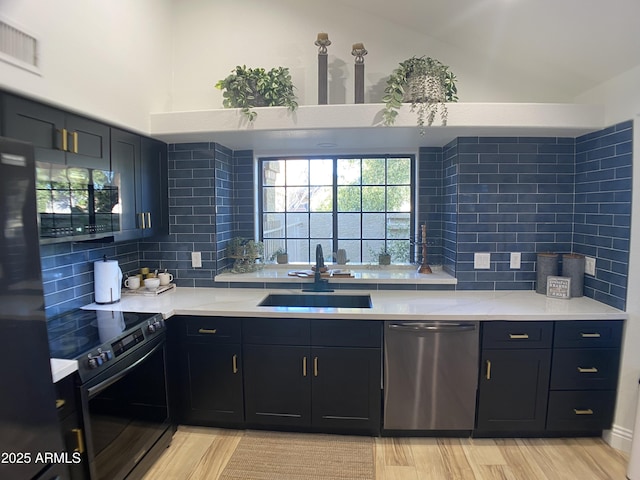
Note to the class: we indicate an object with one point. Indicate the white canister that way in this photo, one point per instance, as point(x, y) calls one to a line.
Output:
point(107, 278)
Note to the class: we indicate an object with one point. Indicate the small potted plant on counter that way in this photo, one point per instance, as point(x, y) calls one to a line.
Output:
point(246, 88)
point(246, 254)
point(424, 82)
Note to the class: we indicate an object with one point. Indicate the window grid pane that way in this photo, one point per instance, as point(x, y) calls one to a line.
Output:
point(366, 204)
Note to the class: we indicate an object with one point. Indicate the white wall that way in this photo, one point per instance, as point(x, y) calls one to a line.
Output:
point(110, 59)
point(621, 97)
point(212, 37)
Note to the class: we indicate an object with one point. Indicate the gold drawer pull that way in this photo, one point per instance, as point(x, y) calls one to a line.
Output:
point(588, 411)
point(519, 336)
point(315, 366)
point(74, 135)
point(79, 440)
point(488, 369)
point(60, 403)
point(588, 370)
point(589, 335)
point(65, 140)
point(209, 331)
point(304, 366)
point(234, 363)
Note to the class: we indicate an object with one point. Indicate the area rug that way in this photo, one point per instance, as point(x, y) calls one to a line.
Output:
point(300, 456)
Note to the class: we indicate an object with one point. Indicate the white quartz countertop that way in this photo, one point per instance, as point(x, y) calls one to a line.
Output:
point(61, 368)
point(399, 305)
point(387, 305)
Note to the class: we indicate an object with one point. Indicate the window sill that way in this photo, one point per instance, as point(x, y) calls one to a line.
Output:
point(367, 274)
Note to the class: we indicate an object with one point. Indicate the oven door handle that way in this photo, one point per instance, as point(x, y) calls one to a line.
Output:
point(91, 391)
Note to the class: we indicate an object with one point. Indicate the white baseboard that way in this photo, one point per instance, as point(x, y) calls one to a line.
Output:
point(619, 438)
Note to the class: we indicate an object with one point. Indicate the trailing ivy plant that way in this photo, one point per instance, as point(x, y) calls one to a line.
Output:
point(246, 88)
point(424, 82)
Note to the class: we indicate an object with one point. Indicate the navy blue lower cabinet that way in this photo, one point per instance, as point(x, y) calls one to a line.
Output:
point(513, 390)
point(210, 385)
point(548, 378)
point(584, 376)
point(321, 376)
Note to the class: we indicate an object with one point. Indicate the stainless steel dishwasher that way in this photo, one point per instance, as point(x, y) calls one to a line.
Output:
point(430, 375)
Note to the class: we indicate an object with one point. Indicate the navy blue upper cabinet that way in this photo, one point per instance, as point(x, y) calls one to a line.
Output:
point(58, 136)
point(141, 164)
point(153, 188)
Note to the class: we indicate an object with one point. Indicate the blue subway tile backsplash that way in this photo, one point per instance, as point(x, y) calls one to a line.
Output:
point(475, 194)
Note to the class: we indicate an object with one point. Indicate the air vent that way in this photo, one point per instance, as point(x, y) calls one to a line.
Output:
point(18, 47)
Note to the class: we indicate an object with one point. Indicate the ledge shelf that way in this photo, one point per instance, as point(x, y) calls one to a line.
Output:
point(313, 127)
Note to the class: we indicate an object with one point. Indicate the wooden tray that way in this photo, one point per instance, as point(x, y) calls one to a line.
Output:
point(327, 274)
point(149, 293)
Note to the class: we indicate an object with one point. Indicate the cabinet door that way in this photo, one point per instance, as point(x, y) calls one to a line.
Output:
point(277, 382)
point(346, 389)
point(513, 390)
point(154, 187)
point(125, 159)
point(213, 384)
point(88, 143)
point(35, 123)
point(70, 416)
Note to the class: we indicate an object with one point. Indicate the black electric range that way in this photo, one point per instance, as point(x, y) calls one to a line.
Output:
point(97, 339)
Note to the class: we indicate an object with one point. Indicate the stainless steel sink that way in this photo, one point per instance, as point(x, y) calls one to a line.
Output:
point(317, 300)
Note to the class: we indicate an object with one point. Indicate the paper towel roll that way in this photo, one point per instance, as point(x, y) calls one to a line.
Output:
point(107, 278)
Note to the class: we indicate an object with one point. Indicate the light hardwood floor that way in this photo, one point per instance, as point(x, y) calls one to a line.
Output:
point(202, 453)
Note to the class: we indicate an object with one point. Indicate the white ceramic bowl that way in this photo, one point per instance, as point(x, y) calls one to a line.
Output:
point(152, 283)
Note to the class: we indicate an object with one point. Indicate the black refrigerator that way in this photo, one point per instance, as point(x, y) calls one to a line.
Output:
point(29, 431)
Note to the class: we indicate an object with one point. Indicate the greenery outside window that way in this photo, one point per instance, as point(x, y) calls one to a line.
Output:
point(363, 204)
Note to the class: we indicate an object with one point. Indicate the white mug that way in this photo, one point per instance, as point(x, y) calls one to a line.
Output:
point(165, 278)
point(132, 282)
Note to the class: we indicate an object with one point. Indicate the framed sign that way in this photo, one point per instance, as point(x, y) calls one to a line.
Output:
point(558, 287)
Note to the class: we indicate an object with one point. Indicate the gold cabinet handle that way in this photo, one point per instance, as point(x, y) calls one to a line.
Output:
point(488, 369)
point(587, 370)
point(589, 335)
point(304, 366)
point(60, 403)
point(74, 135)
point(79, 440)
point(208, 331)
point(587, 411)
point(234, 363)
point(142, 223)
point(519, 336)
point(315, 366)
point(65, 140)
point(148, 215)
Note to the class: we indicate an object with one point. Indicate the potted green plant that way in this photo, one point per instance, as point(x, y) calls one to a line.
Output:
point(246, 88)
point(384, 257)
point(245, 254)
point(280, 256)
point(424, 82)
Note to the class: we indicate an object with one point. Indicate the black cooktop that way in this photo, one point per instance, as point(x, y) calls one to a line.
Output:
point(73, 334)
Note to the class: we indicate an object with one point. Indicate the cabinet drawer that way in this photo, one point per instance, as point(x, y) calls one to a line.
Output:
point(517, 334)
point(582, 369)
point(580, 410)
point(278, 331)
point(212, 329)
point(346, 333)
point(588, 334)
